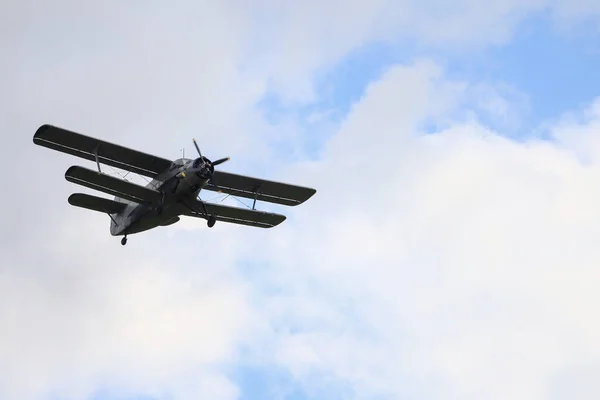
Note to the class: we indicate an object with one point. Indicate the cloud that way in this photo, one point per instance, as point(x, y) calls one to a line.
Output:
point(575, 12)
point(303, 41)
point(80, 315)
point(388, 278)
point(467, 268)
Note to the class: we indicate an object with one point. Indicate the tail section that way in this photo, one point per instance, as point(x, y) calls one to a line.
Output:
point(118, 220)
point(116, 209)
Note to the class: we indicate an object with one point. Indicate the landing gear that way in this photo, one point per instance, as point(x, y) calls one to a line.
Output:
point(124, 240)
point(211, 221)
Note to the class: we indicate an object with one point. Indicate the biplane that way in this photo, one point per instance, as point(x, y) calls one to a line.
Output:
point(173, 190)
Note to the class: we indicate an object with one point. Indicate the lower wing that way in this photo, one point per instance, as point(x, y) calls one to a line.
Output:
point(235, 215)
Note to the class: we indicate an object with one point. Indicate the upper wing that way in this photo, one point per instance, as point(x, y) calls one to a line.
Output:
point(111, 185)
point(108, 153)
point(148, 165)
point(236, 215)
point(261, 189)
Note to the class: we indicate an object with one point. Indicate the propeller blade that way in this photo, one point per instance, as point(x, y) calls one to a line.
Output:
point(220, 161)
point(197, 148)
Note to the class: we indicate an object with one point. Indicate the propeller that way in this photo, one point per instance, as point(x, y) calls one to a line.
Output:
point(197, 148)
point(220, 161)
point(212, 179)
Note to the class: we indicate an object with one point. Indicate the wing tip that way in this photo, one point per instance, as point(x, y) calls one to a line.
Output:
point(41, 130)
point(69, 171)
point(310, 192)
point(281, 220)
point(72, 198)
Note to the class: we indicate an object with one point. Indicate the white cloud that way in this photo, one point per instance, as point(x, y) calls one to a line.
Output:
point(466, 271)
point(84, 313)
point(575, 12)
point(80, 313)
point(414, 257)
point(305, 39)
point(295, 42)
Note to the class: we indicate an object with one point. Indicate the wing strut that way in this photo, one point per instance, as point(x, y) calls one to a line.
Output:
point(97, 158)
point(211, 219)
point(203, 212)
point(113, 220)
point(255, 196)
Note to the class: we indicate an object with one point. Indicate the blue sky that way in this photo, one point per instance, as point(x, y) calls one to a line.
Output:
point(556, 71)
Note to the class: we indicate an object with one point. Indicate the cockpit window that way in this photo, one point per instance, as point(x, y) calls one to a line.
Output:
point(178, 163)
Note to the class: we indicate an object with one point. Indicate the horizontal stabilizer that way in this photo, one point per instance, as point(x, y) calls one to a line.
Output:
point(95, 203)
point(261, 189)
point(235, 215)
point(111, 185)
point(87, 147)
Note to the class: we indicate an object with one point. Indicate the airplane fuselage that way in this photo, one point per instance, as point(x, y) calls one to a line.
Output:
point(182, 181)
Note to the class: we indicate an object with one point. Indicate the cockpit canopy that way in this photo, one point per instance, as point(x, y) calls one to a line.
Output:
point(180, 162)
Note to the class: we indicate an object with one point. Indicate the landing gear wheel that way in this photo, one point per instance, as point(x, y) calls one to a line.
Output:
point(211, 221)
point(124, 241)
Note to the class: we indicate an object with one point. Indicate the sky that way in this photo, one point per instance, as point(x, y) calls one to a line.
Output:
point(450, 251)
